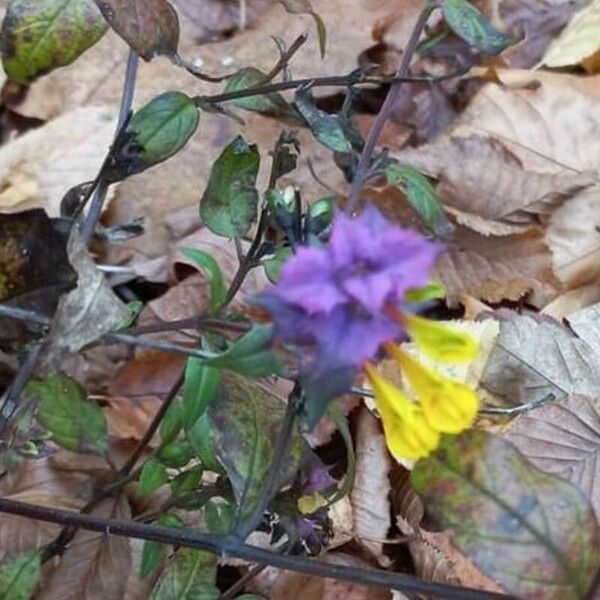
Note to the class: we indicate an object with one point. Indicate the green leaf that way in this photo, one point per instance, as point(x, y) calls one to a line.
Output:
point(39, 36)
point(200, 437)
point(155, 133)
point(274, 264)
point(190, 576)
point(251, 355)
point(171, 423)
point(213, 273)
point(228, 206)
point(246, 420)
point(271, 103)
point(150, 27)
point(200, 387)
point(327, 129)
point(188, 481)
point(73, 422)
point(422, 196)
point(304, 7)
point(154, 552)
point(153, 475)
point(470, 25)
point(176, 454)
point(19, 575)
point(532, 532)
point(219, 516)
point(342, 425)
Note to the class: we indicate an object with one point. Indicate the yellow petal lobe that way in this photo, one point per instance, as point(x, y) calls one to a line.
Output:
point(439, 341)
point(449, 406)
point(407, 432)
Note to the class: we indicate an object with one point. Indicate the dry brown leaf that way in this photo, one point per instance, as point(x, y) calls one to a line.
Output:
point(298, 586)
point(572, 301)
point(95, 566)
point(534, 358)
point(480, 176)
point(494, 268)
point(563, 438)
point(37, 169)
point(586, 325)
point(370, 501)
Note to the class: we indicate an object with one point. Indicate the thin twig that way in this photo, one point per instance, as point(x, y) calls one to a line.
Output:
point(594, 591)
point(334, 81)
point(362, 169)
point(285, 58)
point(231, 546)
point(93, 216)
point(241, 583)
point(13, 396)
point(153, 428)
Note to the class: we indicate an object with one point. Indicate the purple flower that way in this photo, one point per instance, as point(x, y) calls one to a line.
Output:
point(331, 301)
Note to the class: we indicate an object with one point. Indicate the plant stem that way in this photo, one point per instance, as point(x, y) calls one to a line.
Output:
point(337, 80)
point(93, 216)
point(231, 546)
point(362, 169)
point(153, 428)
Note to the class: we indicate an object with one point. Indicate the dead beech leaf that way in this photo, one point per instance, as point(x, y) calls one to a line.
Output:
point(563, 438)
point(533, 358)
point(572, 301)
point(86, 313)
point(586, 325)
point(37, 169)
point(498, 267)
point(370, 502)
point(94, 566)
point(480, 176)
point(298, 586)
point(150, 27)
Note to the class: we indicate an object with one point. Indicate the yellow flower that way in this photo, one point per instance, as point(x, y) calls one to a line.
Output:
point(439, 341)
point(407, 432)
point(449, 405)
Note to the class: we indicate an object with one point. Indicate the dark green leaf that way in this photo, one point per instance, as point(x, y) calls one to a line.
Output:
point(228, 206)
point(271, 103)
point(39, 36)
point(73, 422)
point(200, 437)
point(153, 475)
point(19, 575)
point(190, 576)
point(342, 425)
point(284, 155)
point(219, 516)
point(246, 420)
point(319, 218)
point(326, 128)
point(213, 273)
point(134, 309)
point(422, 196)
point(200, 387)
point(155, 133)
point(273, 265)
point(176, 454)
point(304, 7)
point(187, 481)
point(150, 27)
point(470, 25)
point(171, 423)
point(532, 532)
point(154, 552)
point(251, 355)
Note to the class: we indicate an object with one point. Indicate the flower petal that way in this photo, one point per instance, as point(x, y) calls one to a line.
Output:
point(440, 341)
point(407, 432)
point(450, 406)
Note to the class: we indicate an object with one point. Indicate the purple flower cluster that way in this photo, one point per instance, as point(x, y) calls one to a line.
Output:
point(332, 300)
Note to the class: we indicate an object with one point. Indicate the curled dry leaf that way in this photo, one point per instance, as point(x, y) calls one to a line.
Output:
point(86, 313)
point(563, 438)
point(370, 501)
